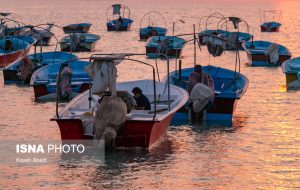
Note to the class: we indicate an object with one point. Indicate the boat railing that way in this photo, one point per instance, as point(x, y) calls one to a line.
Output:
point(110, 58)
point(153, 12)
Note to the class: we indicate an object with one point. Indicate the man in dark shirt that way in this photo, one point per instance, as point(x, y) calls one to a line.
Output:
point(141, 100)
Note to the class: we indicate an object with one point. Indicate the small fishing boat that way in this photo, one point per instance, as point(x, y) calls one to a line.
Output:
point(141, 128)
point(6, 19)
point(229, 87)
point(264, 53)
point(44, 80)
point(120, 19)
point(80, 42)
point(168, 45)
point(217, 32)
point(214, 91)
point(20, 71)
point(291, 68)
point(152, 28)
point(237, 35)
point(11, 49)
point(270, 20)
point(77, 28)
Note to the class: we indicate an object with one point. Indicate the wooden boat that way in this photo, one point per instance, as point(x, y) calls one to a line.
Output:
point(44, 80)
point(229, 87)
point(120, 19)
point(270, 20)
point(85, 42)
point(168, 45)
point(152, 29)
point(256, 52)
point(11, 49)
point(142, 128)
point(20, 71)
point(291, 68)
point(77, 28)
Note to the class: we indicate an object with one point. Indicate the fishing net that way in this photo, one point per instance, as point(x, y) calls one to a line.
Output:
point(273, 53)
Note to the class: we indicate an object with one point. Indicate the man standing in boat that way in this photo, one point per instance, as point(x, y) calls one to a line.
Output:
point(141, 100)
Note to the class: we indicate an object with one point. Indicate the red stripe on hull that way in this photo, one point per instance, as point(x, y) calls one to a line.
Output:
point(40, 90)
point(7, 59)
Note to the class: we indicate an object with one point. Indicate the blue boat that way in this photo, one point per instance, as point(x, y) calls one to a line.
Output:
point(152, 28)
point(20, 71)
point(169, 45)
point(81, 42)
point(258, 56)
point(270, 20)
point(44, 80)
point(77, 28)
point(229, 87)
point(120, 20)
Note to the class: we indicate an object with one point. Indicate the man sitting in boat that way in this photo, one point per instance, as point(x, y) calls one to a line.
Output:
point(120, 19)
point(197, 76)
point(142, 102)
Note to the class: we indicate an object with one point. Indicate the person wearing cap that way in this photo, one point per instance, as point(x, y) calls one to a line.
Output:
point(141, 100)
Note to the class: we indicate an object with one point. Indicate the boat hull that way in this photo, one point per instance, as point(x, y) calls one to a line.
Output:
point(133, 134)
point(262, 60)
point(111, 28)
point(272, 29)
point(7, 59)
point(77, 29)
point(172, 53)
point(42, 92)
point(83, 47)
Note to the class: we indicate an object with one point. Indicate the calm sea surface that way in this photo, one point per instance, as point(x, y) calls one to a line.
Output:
point(260, 150)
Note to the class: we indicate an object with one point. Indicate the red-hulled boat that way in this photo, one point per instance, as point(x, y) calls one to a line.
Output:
point(11, 49)
point(142, 128)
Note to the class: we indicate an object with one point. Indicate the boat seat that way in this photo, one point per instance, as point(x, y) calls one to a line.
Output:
point(163, 97)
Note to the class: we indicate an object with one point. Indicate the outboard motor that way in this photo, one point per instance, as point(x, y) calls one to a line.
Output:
point(65, 88)
point(201, 96)
point(110, 117)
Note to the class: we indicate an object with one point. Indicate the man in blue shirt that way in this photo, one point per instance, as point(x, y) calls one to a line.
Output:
point(141, 100)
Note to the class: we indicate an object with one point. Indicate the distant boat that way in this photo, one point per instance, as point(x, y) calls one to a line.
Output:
point(153, 28)
point(257, 52)
point(77, 28)
point(20, 71)
point(11, 49)
point(120, 20)
point(270, 20)
point(291, 68)
point(44, 80)
point(80, 42)
point(169, 45)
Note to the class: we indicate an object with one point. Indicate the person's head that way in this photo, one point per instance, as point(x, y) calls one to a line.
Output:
point(136, 92)
point(198, 68)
